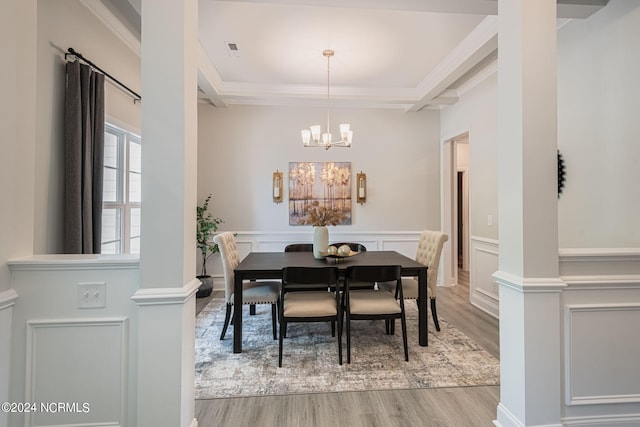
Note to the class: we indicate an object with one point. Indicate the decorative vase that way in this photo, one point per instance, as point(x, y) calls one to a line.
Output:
point(320, 241)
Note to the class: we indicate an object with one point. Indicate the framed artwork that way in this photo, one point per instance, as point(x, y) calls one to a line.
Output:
point(323, 187)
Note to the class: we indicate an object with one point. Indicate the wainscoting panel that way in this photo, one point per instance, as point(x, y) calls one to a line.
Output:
point(483, 290)
point(63, 353)
point(602, 352)
point(601, 314)
point(94, 351)
point(7, 300)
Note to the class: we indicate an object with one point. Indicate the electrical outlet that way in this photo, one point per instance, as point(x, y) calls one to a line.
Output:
point(490, 220)
point(92, 295)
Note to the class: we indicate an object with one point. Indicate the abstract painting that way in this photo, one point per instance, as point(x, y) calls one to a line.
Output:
point(324, 186)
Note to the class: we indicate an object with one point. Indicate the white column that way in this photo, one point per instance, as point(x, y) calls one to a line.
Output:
point(167, 255)
point(530, 288)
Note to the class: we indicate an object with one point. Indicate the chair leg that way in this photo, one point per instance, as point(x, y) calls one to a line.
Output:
point(390, 326)
point(434, 314)
point(333, 328)
point(403, 320)
point(227, 318)
point(252, 309)
point(273, 320)
point(339, 340)
point(348, 339)
point(282, 329)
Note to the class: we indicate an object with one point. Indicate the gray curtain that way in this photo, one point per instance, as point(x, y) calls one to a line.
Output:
point(84, 159)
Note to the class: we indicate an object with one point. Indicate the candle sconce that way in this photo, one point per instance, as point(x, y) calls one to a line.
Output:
point(276, 187)
point(361, 184)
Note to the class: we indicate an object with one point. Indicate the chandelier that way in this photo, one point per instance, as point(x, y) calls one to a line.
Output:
point(313, 137)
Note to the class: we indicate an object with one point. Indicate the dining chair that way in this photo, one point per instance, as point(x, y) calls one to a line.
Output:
point(317, 305)
point(356, 247)
point(253, 292)
point(371, 304)
point(305, 247)
point(299, 247)
point(429, 250)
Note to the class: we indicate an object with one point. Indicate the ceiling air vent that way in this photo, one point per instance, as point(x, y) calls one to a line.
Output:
point(233, 50)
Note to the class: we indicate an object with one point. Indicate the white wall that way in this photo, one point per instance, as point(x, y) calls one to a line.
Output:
point(17, 123)
point(476, 112)
point(598, 128)
point(17, 139)
point(63, 24)
point(240, 147)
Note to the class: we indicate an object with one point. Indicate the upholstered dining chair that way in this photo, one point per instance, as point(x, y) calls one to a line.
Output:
point(252, 292)
point(429, 250)
point(371, 304)
point(309, 305)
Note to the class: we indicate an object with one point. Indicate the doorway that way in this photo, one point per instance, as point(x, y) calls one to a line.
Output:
point(455, 205)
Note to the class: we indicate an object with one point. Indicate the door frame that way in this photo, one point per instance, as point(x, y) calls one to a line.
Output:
point(449, 209)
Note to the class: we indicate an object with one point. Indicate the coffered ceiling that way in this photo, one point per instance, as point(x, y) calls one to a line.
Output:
point(406, 54)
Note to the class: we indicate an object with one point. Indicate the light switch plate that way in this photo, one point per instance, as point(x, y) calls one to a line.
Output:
point(92, 295)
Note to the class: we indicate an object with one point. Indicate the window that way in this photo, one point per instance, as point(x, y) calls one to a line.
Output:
point(121, 192)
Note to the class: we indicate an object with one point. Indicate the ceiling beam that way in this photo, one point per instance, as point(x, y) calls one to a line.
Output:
point(479, 44)
point(209, 80)
point(566, 8)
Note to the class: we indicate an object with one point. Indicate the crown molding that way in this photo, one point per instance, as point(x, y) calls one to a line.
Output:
point(113, 23)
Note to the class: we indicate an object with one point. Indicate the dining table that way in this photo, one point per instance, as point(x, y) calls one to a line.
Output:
point(269, 265)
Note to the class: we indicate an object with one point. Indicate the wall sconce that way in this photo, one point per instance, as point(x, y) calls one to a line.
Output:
point(361, 183)
point(276, 187)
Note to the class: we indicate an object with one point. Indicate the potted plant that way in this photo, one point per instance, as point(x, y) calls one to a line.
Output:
point(207, 225)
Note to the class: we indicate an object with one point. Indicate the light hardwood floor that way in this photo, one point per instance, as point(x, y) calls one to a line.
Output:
point(443, 407)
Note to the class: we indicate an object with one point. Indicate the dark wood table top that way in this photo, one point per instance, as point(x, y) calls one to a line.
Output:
point(264, 263)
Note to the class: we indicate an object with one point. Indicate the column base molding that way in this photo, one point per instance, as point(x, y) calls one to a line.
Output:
point(506, 419)
point(529, 284)
point(164, 296)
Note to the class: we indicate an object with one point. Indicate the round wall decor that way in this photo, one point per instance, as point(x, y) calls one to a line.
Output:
point(561, 173)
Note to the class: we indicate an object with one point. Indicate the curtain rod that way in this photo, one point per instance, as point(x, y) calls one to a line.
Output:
point(78, 55)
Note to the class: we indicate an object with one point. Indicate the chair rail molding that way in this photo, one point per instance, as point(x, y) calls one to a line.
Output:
point(74, 262)
point(7, 298)
point(575, 262)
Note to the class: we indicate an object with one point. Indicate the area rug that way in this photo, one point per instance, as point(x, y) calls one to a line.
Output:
point(310, 362)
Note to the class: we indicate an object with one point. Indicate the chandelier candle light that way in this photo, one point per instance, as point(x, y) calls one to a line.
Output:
point(313, 137)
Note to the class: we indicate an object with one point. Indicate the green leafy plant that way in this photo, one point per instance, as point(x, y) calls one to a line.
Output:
point(207, 225)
